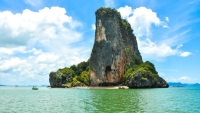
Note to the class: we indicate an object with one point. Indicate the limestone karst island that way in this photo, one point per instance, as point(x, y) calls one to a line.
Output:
point(115, 59)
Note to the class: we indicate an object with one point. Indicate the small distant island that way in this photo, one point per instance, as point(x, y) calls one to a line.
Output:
point(115, 59)
point(179, 84)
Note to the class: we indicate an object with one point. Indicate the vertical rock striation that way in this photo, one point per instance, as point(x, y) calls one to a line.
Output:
point(115, 48)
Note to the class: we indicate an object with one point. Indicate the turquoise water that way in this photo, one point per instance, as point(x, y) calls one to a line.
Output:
point(58, 100)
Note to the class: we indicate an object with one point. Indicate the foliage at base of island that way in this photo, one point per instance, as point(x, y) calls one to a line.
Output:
point(76, 75)
point(143, 75)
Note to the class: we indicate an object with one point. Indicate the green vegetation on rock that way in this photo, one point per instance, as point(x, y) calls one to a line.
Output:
point(76, 75)
point(126, 25)
point(107, 11)
point(143, 76)
point(147, 69)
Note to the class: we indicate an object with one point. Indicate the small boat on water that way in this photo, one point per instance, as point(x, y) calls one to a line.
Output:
point(34, 88)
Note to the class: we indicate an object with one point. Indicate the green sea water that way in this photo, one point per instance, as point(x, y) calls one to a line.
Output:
point(58, 100)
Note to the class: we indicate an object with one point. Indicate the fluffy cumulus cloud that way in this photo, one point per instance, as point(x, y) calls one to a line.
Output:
point(141, 20)
point(46, 24)
point(10, 64)
point(151, 49)
point(32, 44)
point(125, 11)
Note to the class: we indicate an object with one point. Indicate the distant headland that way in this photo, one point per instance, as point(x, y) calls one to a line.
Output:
point(115, 59)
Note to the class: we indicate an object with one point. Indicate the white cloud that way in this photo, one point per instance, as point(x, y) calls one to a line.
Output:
point(185, 54)
point(141, 20)
point(109, 3)
point(184, 78)
point(167, 19)
point(32, 44)
point(46, 24)
point(165, 26)
point(152, 50)
point(125, 11)
point(47, 58)
point(93, 27)
point(36, 67)
point(11, 64)
point(10, 51)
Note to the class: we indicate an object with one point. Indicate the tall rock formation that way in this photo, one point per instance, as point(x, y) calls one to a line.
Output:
point(115, 59)
point(115, 49)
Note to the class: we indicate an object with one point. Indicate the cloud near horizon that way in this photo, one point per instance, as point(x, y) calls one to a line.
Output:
point(141, 20)
point(184, 79)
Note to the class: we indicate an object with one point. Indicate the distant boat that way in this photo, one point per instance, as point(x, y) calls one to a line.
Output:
point(34, 88)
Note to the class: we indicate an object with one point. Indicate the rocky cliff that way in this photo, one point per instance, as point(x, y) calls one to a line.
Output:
point(115, 48)
point(144, 76)
point(54, 80)
point(115, 51)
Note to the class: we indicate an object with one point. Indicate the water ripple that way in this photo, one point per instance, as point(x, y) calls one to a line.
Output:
point(170, 100)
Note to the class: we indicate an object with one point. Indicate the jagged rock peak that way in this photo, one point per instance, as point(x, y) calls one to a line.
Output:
point(115, 49)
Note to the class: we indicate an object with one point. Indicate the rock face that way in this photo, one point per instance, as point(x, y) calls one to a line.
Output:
point(54, 82)
point(57, 79)
point(115, 58)
point(144, 76)
point(139, 81)
point(115, 48)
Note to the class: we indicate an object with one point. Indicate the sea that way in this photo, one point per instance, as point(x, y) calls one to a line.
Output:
point(64, 100)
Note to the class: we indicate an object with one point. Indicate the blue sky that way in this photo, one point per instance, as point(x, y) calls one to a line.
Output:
point(40, 36)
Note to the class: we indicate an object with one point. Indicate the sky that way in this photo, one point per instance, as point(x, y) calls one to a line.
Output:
point(41, 36)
